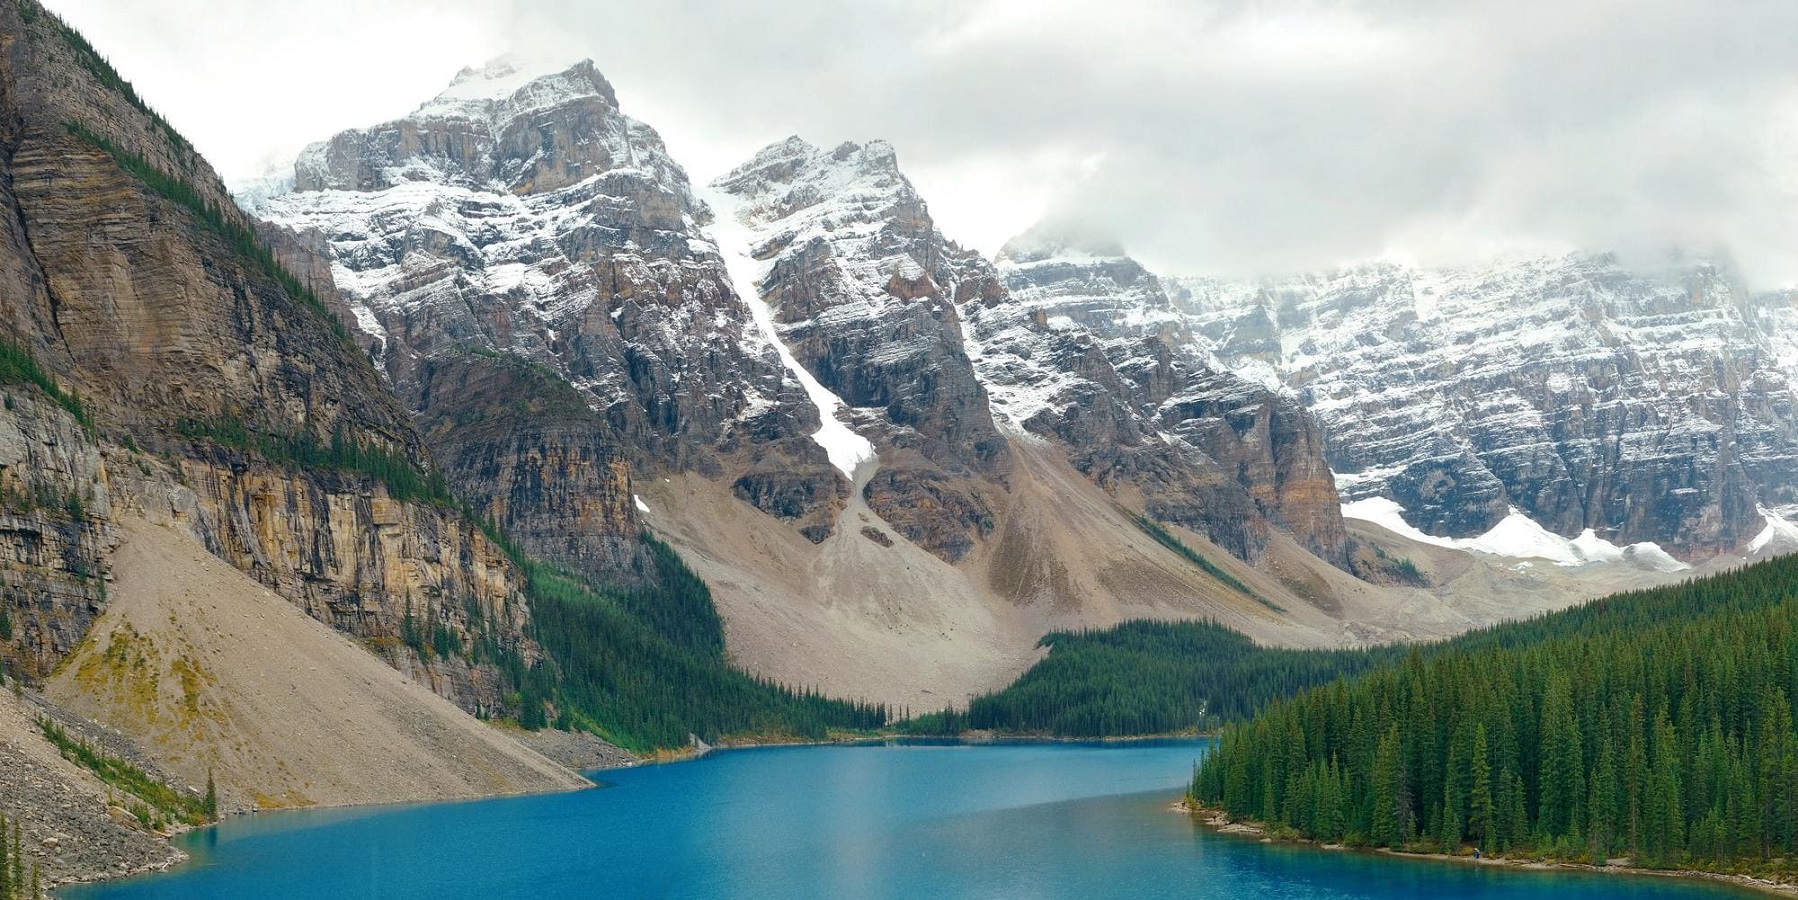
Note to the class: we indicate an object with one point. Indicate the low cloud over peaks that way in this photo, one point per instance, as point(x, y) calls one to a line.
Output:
point(1234, 137)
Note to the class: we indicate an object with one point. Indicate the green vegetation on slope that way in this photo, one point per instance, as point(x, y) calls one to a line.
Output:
point(1162, 677)
point(677, 604)
point(404, 479)
point(155, 804)
point(1148, 678)
point(1166, 539)
point(19, 366)
point(235, 235)
point(615, 674)
point(31, 12)
point(1656, 725)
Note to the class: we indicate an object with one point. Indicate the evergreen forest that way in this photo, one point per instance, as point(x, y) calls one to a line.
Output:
point(1655, 726)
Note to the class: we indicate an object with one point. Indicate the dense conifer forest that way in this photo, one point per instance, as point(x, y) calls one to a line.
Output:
point(645, 668)
point(1656, 726)
point(1163, 677)
point(1147, 678)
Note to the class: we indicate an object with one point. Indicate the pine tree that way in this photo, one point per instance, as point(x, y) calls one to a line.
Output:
point(1559, 791)
point(1479, 800)
point(210, 806)
point(1601, 806)
point(1519, 813)
point(1635, 779)
point(1388, 828)
point(5, 863)
point(1450, 835)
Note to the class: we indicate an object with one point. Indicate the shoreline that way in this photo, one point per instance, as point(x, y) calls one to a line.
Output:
point(1222, 824)
point(182, 858)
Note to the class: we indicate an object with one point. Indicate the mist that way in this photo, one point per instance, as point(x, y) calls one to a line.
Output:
point(1234, 137)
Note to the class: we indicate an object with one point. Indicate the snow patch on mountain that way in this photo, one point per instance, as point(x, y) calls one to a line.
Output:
point(496, 80)
point(1517, 536)
point(1779, 533)
point(383, 239)
point(846, 449)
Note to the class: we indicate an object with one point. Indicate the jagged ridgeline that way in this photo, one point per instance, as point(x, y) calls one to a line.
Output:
point(1656, 726)
point(161, 359)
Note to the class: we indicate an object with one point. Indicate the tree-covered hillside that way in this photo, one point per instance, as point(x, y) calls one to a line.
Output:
point(1656, 726)
point(1161, 677)
point(1147, 678)
point(645, 668)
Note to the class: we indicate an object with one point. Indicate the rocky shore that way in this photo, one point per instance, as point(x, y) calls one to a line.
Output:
point(74, 828)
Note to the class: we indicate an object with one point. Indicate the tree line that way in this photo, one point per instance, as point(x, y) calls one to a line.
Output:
point(405, 479)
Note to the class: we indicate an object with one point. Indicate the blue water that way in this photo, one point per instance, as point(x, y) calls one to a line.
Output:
point(1005, 821)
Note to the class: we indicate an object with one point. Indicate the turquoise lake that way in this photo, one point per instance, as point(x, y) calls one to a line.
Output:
point(882, 821)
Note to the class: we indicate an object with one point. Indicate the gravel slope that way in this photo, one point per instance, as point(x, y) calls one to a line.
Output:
point(211, 672)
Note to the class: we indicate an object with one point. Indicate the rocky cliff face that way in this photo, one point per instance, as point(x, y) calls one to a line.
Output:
point(55, 532)
point(1085, 346)
point(524, 215)
point(1647, 407)
point(217, 395)
point(864, 291)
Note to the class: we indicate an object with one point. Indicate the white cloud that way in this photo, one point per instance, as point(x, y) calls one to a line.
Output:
point(1233, 136)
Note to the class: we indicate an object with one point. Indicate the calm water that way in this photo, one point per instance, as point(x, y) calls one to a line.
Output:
point(1023, 821)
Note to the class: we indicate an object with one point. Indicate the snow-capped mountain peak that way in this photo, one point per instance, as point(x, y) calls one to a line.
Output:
point(859, 182)
point(510, 87)
point(502, 128)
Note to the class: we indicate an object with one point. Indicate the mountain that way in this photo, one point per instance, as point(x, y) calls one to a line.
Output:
point(489, 412)
point(172, 371)
point(1088, 347)
point(1583, 394)
point(864, 292)
point(188, 433)
point(894, 463)
point(519, 237)
point(235, 552)
point(797, 380)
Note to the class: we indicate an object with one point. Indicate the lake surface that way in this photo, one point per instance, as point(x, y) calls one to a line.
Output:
point(887, 821)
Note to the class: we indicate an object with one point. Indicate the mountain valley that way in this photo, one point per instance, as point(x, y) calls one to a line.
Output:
point(488, 446)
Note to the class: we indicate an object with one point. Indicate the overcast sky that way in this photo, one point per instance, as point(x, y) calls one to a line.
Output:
point(1238, 136)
